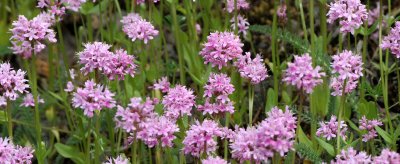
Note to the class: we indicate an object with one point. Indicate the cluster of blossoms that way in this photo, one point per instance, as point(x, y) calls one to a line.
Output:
point(242, 24)
point(392, 41)
point(240, 4)
point(162, 85)
point(329, 129)
point(350, 12)
point(387, 157)
point(157, 130)
point(10, 153)
point(301, 73)
point(252, 69)
point(12, 83)
point(220, 48)
point(119, 160)
point(201, 138)
point(216, 92)
point(348, 66)
point(137, 111)
point(97, 56)
point(70, 85)
point(369, 126)
point(214, 160)
point(93, 97)
point(28, 35)
point(57, 7)
point(351, 156)
point(273, 135)
point(281, 12)
point(373, 14)
point(138, 28)
point(29, 101)
point(178, 102)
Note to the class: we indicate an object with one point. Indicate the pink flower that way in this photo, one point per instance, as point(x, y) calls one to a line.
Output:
point(142, 1)
point(329, 129)
point(348, 67)
point(70, 87)
point(392, 41)
point(281, 12)
point(138, 28)
point(351, 14)
point(55, 7)
point(387, 157)
point(302, 74)
point(29, 101)
point(252, 69)
point(121, 64)
point(240, 4)
point(96, 56)
point(198, 28)
point(201, 138)
point(10, 153)
point(12, 83)
point(93, 97)
point(178, 102)
point(162, 84)
point(369, 126)
point(158, 130)
point(119, 160)
point(352, 156)
point(28, 35)
point(220, 48)
point(74, 5)
point(214, 160)
point(242, 24)
point(245, 146)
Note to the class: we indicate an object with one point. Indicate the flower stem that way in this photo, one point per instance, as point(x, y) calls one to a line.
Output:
point(274, 52)
point(251, 101)
point(341, 108)
point(88, 158)
point(9, 120)
point(134, 150)
point(158, 155)
point(97, 144)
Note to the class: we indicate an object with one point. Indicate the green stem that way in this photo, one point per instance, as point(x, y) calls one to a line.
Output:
point(159, 154)
point(322, 8)
point(88, 158)
point(62, 48)
point(311, 14)
point(178, 42)
point(341, 108)
point(251, 101)
point(9, 120)
point(364, 57)
point(134, 150)
point(303, 22)
point(98, 135)
point(274, 52)
point(340, 42)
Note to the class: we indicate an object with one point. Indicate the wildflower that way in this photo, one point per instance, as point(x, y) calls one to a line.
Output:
point(220, 48)
point(302, 74)
point(178, 102)
point(55, 7)
point(28, 35)
point(351, 14)
point(240, 4)
point(219, 88)
point(252, 69)
point(10, 153)
point(201, 138)
point(119, 160)
point(74, 5)
point(93, 97)
point(158, 130)
point(329, 129)
point(121, 64)
point(142, 1)
point(162, 84)
point(348, 67)
point(214, 160)
point(373, 14)
point(369, 126)
point(29, 101)
point(72, 73)
point(245, 146)
point(198, 28)
point(387, 157)
point(242, 24)
point(96, 56)
point(137, 111)
point(352, 156)
point(12, 83)
point(138, 28)
point(281, 12)
point(392, 41)
point(70, 87)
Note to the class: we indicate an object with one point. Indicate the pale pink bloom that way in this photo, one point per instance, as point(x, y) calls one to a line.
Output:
point(29, 101)
point(12, 83)
point(252, 69)
point(351, 156)
point(350, 13)
point(138, 28)
point(328, 130)
point(242, 24)
point(240, 4)
point(369, 126)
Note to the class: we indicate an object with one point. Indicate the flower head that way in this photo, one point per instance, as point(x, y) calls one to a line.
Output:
point(93, 97)
point(178, 102)
point(119, 160)
point(387, 157)
point(242, 24)
point(162, 84)
point(55, 7)
point(74, 5)
point(245, 146)
point(10, 153)
point(351, 14)
point(158, 130)
point(302, 74)
point(220, 48)
point(392, 41)
point(138, 28)
point(369, 126)
point(96, 56)
point(352, 156)
point(214, 160)
point(252, 69)
point(142, 1)
point(121, 64)
point(281, 12)
point(12, 83)
point(329, 129)
point(240, 4)
point(29, 101)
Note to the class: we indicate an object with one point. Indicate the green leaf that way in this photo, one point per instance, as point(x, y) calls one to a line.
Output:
point(70, 152)
point(385, 135)
point(270, 100)
point(328, 147)
point(3, 117)
point(308, 153)
point(303, 138)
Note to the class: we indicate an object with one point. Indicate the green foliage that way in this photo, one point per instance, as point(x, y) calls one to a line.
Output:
point(70, 152)
point(308, 152)
point(328, 147)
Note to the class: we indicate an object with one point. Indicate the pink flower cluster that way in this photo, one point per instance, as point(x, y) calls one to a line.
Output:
point(157, 130)
point(351, 14)
point(348, 66)
point(352, 156)
point(214, 160)
point(281, 12)
point(10, 153)
point(55, 7)
point(138, 28)
point(387, 157)
point(369, 126)
point(119, 160)
point(93, 97)
point(252, 69)
point(74, 5)
point(28, 35)
point(220, 48)
point(240, 4)
point(302, 74)
point(242, 24)
point(142, 1)
point(216, 93)
point(329, 129)
point(162, 85)
point(178, 102)
point(201, 138)
point(97, 56)
point(137, 111)
point(392, 41)
point(273, 135)
point(29, 101)
point(12, 83)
